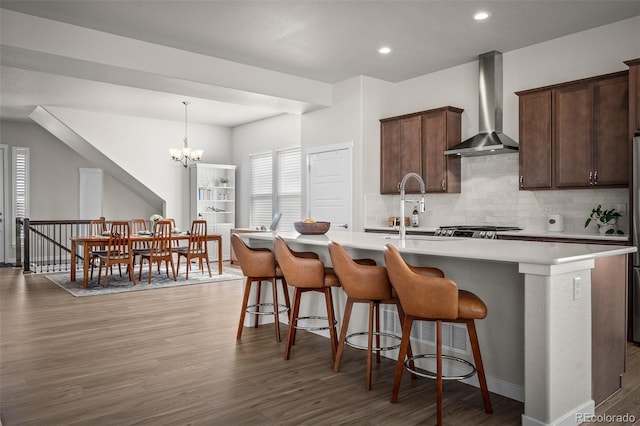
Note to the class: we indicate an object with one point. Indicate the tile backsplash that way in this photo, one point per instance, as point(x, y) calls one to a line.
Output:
point(490, 196)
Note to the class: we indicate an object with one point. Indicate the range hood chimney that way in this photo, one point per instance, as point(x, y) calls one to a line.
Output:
point(490, 139)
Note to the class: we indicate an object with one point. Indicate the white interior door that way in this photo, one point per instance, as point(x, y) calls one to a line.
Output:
point(90, 193)
point(329, 185)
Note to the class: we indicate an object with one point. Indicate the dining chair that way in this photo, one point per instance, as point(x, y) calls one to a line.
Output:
point(96, 227)
point(196, 247)
point(118, 251)
point(138, 226)
point(160, 249)
point(176, 243)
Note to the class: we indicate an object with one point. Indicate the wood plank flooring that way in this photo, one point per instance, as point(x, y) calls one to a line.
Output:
point(169, 357)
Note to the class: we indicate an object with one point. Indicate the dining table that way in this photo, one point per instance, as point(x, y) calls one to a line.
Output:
point(90, 241)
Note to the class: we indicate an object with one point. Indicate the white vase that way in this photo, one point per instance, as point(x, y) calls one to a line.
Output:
point(606, 227)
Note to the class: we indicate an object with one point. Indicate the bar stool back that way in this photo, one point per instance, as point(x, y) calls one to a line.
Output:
point(428, 298)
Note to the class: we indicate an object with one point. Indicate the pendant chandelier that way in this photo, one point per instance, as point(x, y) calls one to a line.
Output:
point(185, 155)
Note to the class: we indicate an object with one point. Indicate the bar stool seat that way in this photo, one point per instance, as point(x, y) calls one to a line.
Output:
point(428, 298)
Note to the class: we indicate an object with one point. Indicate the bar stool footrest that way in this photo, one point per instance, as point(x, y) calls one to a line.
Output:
point(348, 340)
point(312, 328)
point(283, 308)
point(431, 375)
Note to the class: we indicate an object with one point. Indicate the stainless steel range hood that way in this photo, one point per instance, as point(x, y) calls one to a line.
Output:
point(490, 140)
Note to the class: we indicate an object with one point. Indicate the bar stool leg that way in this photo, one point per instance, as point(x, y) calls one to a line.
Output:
point(402, 354)
point(245, 303)
point(276, 308)
point(255, 324)
point(475, 347)
point(376, 309)
point(285, 291)
point(372, 308)
point(331, 318)
point(439, 371)
point(343, 334)
point(294, 317)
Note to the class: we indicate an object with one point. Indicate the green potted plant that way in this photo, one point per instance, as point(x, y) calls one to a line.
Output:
point(607, 220)
point(224, 181)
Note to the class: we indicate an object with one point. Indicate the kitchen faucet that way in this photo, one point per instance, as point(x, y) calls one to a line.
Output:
point(423, 207)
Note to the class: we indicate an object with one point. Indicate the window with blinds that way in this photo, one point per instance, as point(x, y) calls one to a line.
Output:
point(20, 193)
point(275, 186)
point(289, 180)
point(261, 189)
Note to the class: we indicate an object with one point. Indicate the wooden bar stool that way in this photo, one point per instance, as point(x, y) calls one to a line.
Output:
point(363, 283)
point(428, 298)
point(305, 275)
point(259, 265)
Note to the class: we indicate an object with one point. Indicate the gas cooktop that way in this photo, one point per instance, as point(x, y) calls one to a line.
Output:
point(473, 231)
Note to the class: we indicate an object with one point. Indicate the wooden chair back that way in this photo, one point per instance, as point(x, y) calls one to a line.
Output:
point(198, 238)
point(97, 226)
point(119, 246)
point(138, 225)
point(161, 246)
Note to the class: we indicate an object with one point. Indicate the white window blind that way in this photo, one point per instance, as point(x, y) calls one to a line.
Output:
point(276, 179)
point(288, 173)
point(261, 189)
point(20, 193)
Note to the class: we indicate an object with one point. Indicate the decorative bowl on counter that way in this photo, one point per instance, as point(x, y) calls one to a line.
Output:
point(312, 228)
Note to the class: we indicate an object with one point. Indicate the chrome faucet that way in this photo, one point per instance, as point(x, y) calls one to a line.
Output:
point(423, 207)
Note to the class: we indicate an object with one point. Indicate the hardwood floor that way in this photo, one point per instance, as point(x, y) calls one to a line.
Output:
point(169, 357)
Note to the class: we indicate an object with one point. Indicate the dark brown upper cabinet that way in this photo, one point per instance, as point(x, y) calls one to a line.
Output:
point(416, 143)
point(575, 135)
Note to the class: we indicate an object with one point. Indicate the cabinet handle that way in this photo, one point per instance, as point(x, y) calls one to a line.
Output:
point(595, 177)
point(521, 181)
point(590, 178)
point(444, 184)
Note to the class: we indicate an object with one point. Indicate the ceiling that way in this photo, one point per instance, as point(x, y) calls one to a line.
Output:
point(327, 41)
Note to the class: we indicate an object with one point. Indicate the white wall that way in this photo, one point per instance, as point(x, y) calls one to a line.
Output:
point(141, 146)
point(54, 180)
point(277, 132)
point(338, 124)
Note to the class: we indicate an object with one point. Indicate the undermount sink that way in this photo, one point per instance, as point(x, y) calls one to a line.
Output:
point(419, 238)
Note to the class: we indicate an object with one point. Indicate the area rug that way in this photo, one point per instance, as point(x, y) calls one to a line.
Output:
point(122, 284)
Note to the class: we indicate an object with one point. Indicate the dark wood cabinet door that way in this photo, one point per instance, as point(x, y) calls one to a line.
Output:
point(535, 141)
point(389, 156)
point(434, 127)
point(411, 150)
point(415, 143)
point(573, 135)
point(611, 149)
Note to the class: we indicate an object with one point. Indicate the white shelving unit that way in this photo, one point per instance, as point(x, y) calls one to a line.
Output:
point(213, 198)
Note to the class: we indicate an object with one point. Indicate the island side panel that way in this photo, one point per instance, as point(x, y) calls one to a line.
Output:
point(557, 343)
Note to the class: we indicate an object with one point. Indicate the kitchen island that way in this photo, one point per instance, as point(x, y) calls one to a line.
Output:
point(536, 340)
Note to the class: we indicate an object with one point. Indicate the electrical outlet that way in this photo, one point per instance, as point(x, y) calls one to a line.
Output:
point(622, 209)
point(577, 288)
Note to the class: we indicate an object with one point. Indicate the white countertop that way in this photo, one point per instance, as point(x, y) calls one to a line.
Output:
point(524, 233)
point(513, 251)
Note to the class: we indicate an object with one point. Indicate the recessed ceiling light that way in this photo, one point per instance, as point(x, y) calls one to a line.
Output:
point(481, 16)
point(384, 50)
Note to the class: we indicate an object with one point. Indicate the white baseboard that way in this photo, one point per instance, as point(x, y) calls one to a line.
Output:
point(572, 418)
